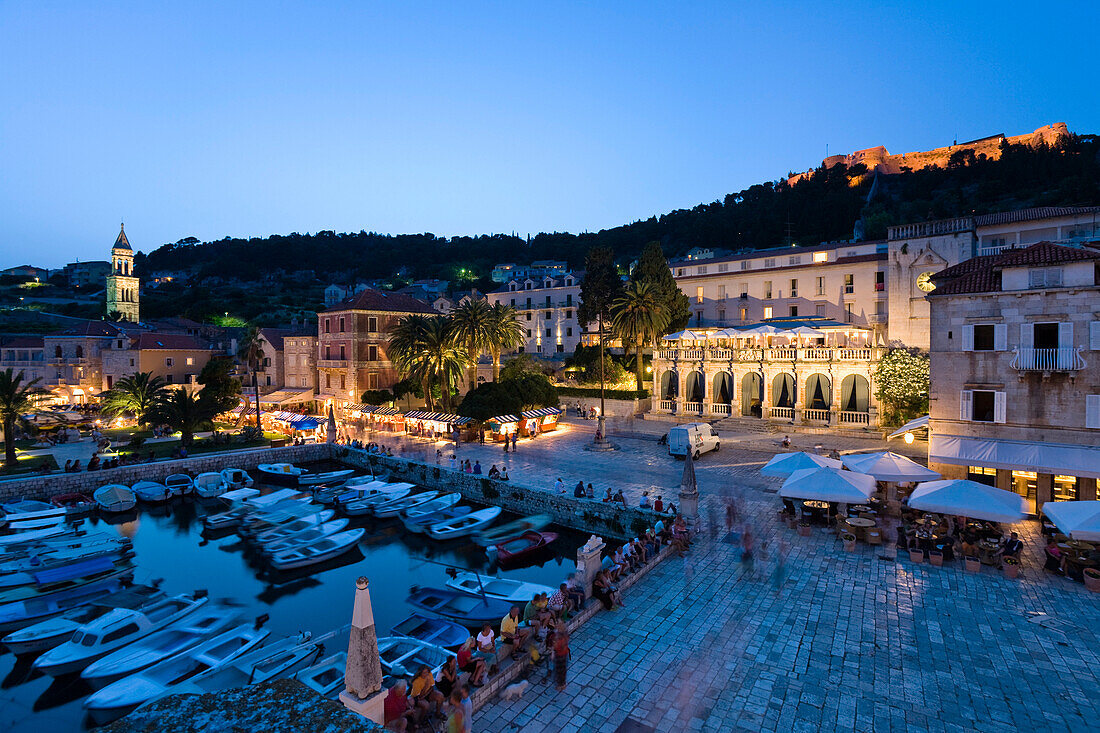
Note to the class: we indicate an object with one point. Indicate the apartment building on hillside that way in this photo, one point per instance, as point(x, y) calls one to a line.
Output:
point(547, 311)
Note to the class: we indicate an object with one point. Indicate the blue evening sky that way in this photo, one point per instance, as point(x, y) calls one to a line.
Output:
point(245, 119)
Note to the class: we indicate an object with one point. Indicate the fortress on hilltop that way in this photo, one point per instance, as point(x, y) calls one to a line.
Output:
point(879, 160)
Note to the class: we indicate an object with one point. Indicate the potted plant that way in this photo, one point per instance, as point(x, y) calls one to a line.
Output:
point(792, 521)
point(804, 529)
point(1092, 579)
point(1012, 567)
point(935, 557)
point(916, 556)
point(849, 541)
point(890, 551)
point(973, 565)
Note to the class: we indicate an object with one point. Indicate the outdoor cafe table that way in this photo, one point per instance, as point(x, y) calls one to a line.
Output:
point(816, 504)
point(986, 550)
point(1080, 546)
point(816, 509)
point(861, 525)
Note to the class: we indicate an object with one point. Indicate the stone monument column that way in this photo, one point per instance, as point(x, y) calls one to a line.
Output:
point(589, 562)
point(689, 491)
point(363, 691)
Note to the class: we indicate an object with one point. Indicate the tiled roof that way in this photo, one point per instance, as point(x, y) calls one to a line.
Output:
point(275, 336)
point(1044, 253)
point(25, 342)
point(377, 300)
point(985, 280)
point(983, 274)
point(167, 341)
point(1039, 212)
point(93, 328)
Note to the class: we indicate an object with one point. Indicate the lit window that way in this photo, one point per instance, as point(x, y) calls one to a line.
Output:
point(849, 284)
point(794, 288)
point(190, 361)
point(821, 256)
point(699, 294)
point(767, 311)
point(767, 290)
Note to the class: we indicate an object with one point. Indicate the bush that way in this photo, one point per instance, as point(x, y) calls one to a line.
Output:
point(376, 397)
point(611, 394)
point(135, 442)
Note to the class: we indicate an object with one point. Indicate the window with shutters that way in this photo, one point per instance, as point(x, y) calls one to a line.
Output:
point(794, 288)
point(768, 290)
point(1092, 411)
point(820, 286)
point(769, 262)
point(1094, 336)
point(1045, 277)
point(849, 284)
point(982, 405)
point(983, 337)
point(1045, 336)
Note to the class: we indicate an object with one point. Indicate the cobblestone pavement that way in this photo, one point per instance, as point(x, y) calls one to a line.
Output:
point(847, 641)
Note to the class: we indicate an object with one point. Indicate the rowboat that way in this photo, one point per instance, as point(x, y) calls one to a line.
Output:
point(120, 697)
point(438, 631)
point(371, 491)
point(518, 548)
point(180, 483)
point(286, 474)
point(313, 479)
point(362, 506)
point(464, 525)
point(395, 506)
point(513, 591)
point(29, 511)
point(210, 484)
point(47, 634)
point(275, 516)
point(236, 478)
point(245, 506)
point(75, 505)
point(23, 613)
point(291, 528)
point(308, 536)
point(402, 656)
point(21, 586)
point(115, 630)
point(316, 552)
point(421, 523)
point(60, 541)
point(494, 535)
point(470, 611)
point(446, 501)
point(18, 542)
point(25, 506)
point(160, 645)
point(22, 570)
point(326, 678)
point(284, 657)
point(115, 498)
point(152, 492)
point(30, 525)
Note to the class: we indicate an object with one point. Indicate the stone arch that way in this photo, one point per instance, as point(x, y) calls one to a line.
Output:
point(722, 389)
point(855, 393)
point(818, 395)
point(696, 388)
point(670, 385)
point(752, 395)
point(783, 390)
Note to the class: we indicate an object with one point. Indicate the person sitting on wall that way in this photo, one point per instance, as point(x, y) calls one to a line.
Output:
point(644, 502)
point(514, 631)
point(589, 492)
point(619, 498)
point(494, 472)
point(578, 490)
point(504, 473)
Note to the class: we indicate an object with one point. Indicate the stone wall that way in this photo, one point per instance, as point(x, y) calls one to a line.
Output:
point(589, 515)
point(44, 487)
point(612, 408)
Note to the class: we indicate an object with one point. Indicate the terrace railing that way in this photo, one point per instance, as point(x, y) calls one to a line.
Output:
point(1048, 360)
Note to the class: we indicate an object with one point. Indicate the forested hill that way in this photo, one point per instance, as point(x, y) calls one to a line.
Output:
point(822, 207)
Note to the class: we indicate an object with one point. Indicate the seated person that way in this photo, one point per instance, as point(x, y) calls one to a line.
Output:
point(514, 631)
point(448, 677)
point(619, 498)
point(486, 644)
point(578, 490)
point(424, 694)
point(575, 591)
point(531, 614)
point(608, 498)
point(494, 472)
point(398, 714)
point(504, 474)
point(1055, 558)
point(652, 544)
point(589, 492)
point(644, 502)
point(558, 604)
point(659, 504)
point(640, 551)
point(969, 545)
point(1012, 547)
point(472, 665)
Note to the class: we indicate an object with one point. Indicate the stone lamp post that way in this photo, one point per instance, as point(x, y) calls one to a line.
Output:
point(363, 691)
point(689, 491)
point(330, 427)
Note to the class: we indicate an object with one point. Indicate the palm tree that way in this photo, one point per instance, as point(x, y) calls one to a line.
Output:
point(135, 394)
point(15, 399)
point(251, 352)
point(444, 356)
point(405, 350)
point(638, 317)
point(506, 334)
point(472, 327)
point(181, 410)
point(424, 348)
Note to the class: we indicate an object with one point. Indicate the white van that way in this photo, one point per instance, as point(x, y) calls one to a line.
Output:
point(698, 437)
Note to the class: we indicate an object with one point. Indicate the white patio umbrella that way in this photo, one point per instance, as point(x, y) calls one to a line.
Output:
point(763, 329)
point(968, 499)
point(784, 464)
point(889, 466)
point(1078, 519)
point(685, 335)
point(828, 484)
point(803, 331)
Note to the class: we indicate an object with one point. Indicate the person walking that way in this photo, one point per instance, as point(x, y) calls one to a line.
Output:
point(515, 437)
point(561, 657)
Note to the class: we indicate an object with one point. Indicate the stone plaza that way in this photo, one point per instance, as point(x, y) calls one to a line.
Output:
point(820, 640)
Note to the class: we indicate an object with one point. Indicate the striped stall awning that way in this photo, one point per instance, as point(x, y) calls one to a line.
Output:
point(372, 409)
point(438, 417)
point(503, 419)
point(542, 412)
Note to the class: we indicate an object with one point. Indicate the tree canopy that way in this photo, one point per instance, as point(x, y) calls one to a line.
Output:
point(901, 385)
point(220, 387)
point(652, 269)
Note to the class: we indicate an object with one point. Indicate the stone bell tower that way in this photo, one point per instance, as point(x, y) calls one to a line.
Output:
point(122, 285)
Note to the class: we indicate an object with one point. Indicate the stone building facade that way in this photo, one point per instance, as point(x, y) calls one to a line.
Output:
point(123, 286)
point(1015, 362)
point(546, 308)
point(175, 358)
point(300, 361)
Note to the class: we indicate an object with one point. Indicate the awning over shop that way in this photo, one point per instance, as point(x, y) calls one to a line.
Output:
point(438, 417)
point(503, 419)
point(287, 397)
point(371, 409)
point(920, 422)
point(1016, 455)
point(541, 412)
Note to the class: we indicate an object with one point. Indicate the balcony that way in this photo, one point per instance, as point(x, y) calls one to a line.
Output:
point(1048, 360)
point(780, 354)
point(332, 363)
point(693, 408)
point(720, 409)
point(781, 413)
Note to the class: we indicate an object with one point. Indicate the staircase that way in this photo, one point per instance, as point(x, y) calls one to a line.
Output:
point(745, 425)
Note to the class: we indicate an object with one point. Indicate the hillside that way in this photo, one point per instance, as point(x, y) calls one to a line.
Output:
point(821, 206)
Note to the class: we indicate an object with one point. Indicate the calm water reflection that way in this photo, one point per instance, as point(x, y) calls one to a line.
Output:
point(169, 545)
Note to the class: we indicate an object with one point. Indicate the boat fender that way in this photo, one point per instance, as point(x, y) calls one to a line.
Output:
point(261, 620)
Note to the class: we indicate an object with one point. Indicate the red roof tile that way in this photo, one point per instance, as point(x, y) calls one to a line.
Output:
point(983, 274)
point(168, 341)
point(1039, 212)
point(378, 300)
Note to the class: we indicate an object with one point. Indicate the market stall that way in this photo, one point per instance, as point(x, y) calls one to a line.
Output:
point(439, 425)
point(533, 422)
point(502, 427)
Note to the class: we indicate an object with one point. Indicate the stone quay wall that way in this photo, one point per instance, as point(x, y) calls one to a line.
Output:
point(45, 487)
point(589, 515)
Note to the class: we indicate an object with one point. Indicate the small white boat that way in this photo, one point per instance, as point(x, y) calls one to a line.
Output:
point(275, 516)
point(210, 484)
point(305, 537)
point(152, 492)
point(326, 678)
point(47, 634)
point(420, 524)
point(272, 661)
point(62, 541)
point(358, 481)
point(180, 483)
point(119, 697)
point(23, 613)
point(21, 586)
point(313, 479)
point(247, 503)
point(17, 542)
point(358, 507)
point(42, 558)
point(515, 591)
point(446, 501)
point(209, 620)
point(236, 478)
point(396, 506)
point(25, 506)
point(115, 498)
point(464, 525)
point(346, 492)
point(292, 528)
point(30, 525)
point(402, 656)
point(317, 552)
point(115, 630)
point(285, 474)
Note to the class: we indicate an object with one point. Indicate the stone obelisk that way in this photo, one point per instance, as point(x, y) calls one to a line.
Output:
point(363, 691)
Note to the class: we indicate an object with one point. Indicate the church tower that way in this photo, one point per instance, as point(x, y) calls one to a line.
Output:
point(122, 285)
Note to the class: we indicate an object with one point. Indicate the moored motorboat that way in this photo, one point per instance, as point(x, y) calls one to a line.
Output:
point(369, 490)
point(461, 526)
point(494, 535)
point(275, 516)
point(365, 505)
point(21, 586)
point(245, 502)
point(513, 591)
point(23, 613)
point(517, 549)
point(236, 478)
point(271, 661)
point(421, 523)
point(283, 474)
point(307, 536)
point(30, 525)
point(289, 529)
point(313, 479)
point(180, 484)
point(316, 552)
point(75, 504)
point(152, 492)
point(114, 498)
point(115, 630)
point(15, 507)
point(468, 610)
point(392, 508)
point(438, 631)
point(402, 656)
point(120, 697)
point(19, 541)
point(445, 501)
point(326, 678)
point(210, 485)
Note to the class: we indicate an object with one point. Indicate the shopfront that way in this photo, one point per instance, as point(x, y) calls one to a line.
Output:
point(502, 427)
point(534, 422)
point(439, 425)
